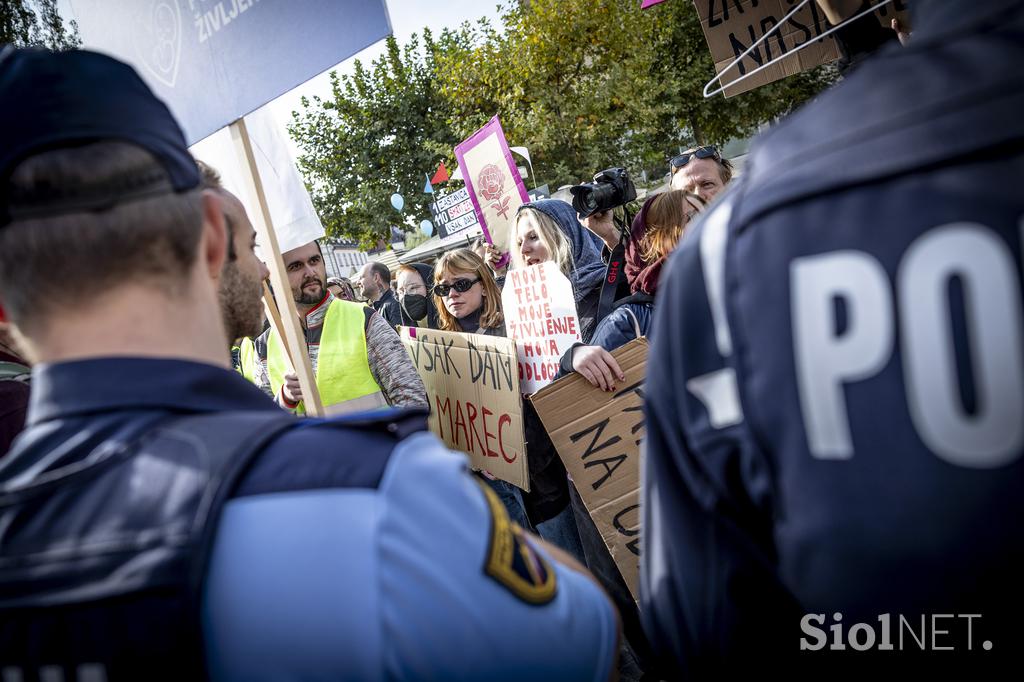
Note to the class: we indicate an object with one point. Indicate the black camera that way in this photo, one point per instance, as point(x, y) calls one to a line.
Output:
point(611, 188)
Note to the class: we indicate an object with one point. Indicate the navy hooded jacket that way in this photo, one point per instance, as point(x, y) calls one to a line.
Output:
point(588, 269)
point(835, 401)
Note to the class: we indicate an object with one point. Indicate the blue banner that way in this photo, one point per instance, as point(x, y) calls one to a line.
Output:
point(213, 61)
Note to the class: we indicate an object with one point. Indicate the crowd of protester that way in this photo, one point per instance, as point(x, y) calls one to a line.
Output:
point(167, 515)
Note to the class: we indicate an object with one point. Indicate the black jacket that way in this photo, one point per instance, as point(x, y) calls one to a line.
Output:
point(387, 306)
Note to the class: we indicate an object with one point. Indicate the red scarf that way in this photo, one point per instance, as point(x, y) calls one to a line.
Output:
point(641, 275)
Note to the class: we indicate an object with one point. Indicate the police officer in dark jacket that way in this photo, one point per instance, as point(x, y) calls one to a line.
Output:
point(160, 517)
point(836, 414)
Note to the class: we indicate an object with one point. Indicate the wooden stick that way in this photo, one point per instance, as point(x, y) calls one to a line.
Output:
point(274, 315)
point(293, 334)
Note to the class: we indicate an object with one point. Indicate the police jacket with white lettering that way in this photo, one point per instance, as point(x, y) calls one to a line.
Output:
point(836, 391)
point(163, 519)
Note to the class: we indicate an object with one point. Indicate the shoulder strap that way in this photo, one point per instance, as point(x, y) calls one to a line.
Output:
point(220, 434)
point(615, 271)
point(235, 438)
point(636, 322)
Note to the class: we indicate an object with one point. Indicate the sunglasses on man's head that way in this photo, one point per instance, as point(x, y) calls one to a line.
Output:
point(460, 285)
point(708, 152)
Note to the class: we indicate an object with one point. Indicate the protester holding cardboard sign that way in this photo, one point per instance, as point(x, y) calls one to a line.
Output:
point(469, 302)
point(477, 309)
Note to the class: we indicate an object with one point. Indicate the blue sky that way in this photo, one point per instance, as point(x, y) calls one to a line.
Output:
point(407, 17)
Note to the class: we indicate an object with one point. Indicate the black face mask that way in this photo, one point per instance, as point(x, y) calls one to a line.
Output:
point(415, 306)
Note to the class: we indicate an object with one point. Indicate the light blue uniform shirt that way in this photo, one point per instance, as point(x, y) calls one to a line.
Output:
point(390, 583)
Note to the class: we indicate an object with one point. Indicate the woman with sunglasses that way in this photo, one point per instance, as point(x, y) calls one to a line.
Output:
point(466, 295)
point(469, 301)
point(549, 230)
point(701, 171)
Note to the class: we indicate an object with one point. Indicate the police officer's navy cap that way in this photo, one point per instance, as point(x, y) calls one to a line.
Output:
point(53, 100)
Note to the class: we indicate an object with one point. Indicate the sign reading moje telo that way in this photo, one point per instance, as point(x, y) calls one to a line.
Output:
point(598, 436)
point(473, 388)
point(540, 314)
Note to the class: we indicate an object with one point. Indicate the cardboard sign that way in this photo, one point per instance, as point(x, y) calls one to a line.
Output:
point(454, 213)
point(731, 26)
point(598, 437)
point(473, 390)
point(213, 61)
point(493, 181)
point(540, 314)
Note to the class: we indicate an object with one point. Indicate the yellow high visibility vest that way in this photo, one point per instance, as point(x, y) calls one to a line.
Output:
point(247, 359)
point(343, 370)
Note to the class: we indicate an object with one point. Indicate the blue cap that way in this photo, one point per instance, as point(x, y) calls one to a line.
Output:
point(64, 99)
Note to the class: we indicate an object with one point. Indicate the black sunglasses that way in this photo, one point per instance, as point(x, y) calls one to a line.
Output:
point(460, 285)
point(708, 152)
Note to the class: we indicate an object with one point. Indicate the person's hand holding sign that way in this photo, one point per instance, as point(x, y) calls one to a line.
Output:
point(597, 366)
point(291, 389)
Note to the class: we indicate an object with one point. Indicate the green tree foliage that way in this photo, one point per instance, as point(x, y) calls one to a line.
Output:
point(584, 84)
point(588, 84)
point(36, 23)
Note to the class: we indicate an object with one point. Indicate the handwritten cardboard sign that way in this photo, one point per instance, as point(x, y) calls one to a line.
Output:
point(731, 26)
point(598, 435)
point(475, 406)
point(454, 213)
point(493, 182)
point(540, 314)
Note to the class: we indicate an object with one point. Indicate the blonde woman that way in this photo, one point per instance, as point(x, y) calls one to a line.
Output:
point(466, 295)
point(548, 230)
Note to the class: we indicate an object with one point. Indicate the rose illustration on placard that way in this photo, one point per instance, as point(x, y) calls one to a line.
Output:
point(490, 182)
point(502, 207)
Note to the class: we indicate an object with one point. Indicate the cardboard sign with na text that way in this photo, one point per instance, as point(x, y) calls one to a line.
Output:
point(473, 388)
point(598, 435)
point(731, 26)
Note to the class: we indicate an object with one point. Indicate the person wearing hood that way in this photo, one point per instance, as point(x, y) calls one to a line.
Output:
point(548, 230)
point(653, 236)
point(414, 281)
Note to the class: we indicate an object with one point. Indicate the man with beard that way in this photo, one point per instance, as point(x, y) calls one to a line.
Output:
point(358, 359)
point(241, 278)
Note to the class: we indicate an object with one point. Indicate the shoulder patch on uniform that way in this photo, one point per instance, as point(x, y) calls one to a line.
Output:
point(512, 561)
